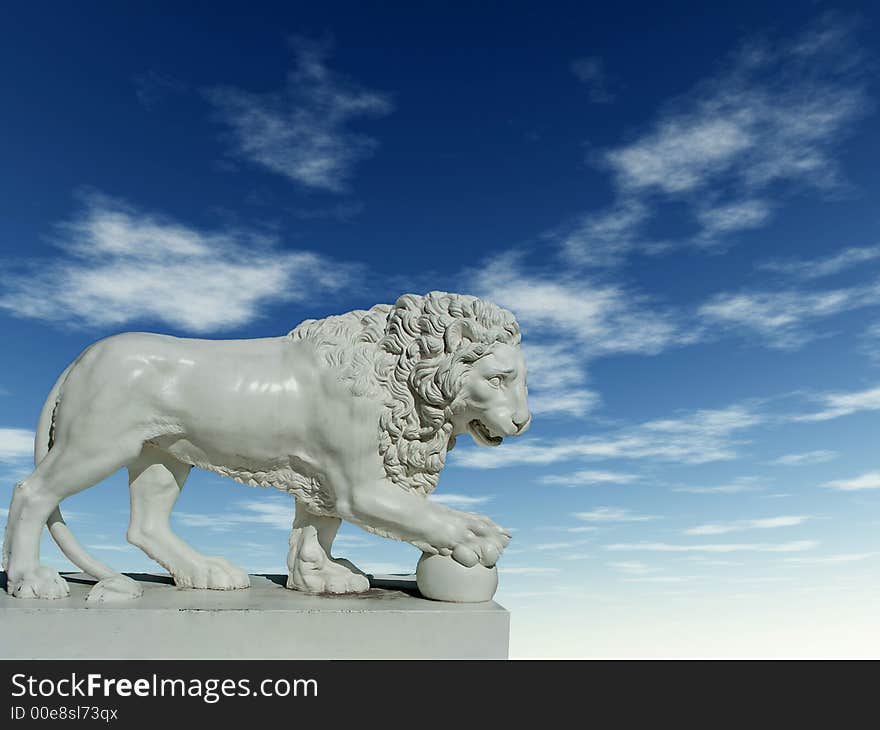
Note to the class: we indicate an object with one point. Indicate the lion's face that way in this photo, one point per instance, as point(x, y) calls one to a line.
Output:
point(495, 397)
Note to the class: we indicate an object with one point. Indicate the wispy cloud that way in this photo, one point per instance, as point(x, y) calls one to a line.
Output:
point(16, 444)
point(761, 547)
point(727, 218)
point(835, 405)
point(111, 547)
point(557, 380)
point(613, 514)
point(769, 122)
point(805, 458)
point(302, 132)
point(580, 320)
point(761, 523)
point(603, 238)
point(527, 570)
point(272, 511)
point(459, 500)
point(870, 480)
point(832, 559)
point(782, 317)
point(590, 71)
point(603, 318)
point(633, 567)
point(697, 437)
point(588, 477)
point(555, 546)
point(737, 486)
point(118, 265)
point(826, 266)
point(151, 87)
point(870, 342)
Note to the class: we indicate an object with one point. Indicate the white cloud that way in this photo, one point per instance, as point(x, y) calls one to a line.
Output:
point(459, 500)
point(556, 380)
point(805, 458)
point(871, 342)
point(770, 121)
point(663, 579)
point(590, 71)
point(152, 87)
point(553, 546)
point(844, 404)
point(120, 265)
point(111, 547)
point(272, 511)
point(303, 131)
point(602, 318)
point(383, 568)
point(681, 154)
point(579, 321)
point(826, 266)
point(762, 523)
point(870, 480)
point(588, 477)
point(832, 559)
point(603, 238)
point(726, 218)
point(697, 437)
point(737, 486)
point(527, 570)
point(576, 403)
point(16, 444)
point(632, 567)
point(612, 514)
point(763, 547)
point(781, 317)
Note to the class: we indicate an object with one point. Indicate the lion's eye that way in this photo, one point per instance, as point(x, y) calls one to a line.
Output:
point(495, 382)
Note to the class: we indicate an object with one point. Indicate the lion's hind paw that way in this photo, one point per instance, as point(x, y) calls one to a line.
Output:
point(42, 582)
point(313, 571)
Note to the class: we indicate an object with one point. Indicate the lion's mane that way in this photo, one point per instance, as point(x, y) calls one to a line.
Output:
point(413, 356)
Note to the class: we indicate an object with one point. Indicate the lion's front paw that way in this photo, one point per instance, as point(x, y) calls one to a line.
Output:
point(476, 539)
point(41, 582)
point(114, 589)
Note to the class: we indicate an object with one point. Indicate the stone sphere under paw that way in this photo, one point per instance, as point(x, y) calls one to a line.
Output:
point(441, 578)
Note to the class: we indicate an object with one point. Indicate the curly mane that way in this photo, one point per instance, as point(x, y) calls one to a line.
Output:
point(413, 356)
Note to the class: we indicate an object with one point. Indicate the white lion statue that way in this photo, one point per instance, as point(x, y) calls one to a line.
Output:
point(353, 415)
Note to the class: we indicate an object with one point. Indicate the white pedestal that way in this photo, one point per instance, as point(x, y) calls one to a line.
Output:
point(265, 622)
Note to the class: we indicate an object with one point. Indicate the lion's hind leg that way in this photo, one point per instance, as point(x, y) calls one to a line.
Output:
point(312, 569)
point(73, 464)
point(155, 481)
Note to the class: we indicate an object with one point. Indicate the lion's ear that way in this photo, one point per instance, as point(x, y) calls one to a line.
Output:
point(459, 330)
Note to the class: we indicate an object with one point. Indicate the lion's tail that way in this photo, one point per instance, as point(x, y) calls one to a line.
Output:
point(58, 528)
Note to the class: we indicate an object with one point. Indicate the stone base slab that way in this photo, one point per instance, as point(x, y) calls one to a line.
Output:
point(267, 621)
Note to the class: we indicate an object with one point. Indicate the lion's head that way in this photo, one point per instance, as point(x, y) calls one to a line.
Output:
point(491, 403)
point(443, 364)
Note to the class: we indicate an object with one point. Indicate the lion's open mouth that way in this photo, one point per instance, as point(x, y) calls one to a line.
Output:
point(481, 434)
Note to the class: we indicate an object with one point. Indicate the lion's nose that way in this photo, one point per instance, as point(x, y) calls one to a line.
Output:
point(521, 426)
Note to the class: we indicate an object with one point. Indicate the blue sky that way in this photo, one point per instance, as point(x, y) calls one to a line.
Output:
point(678, 202)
